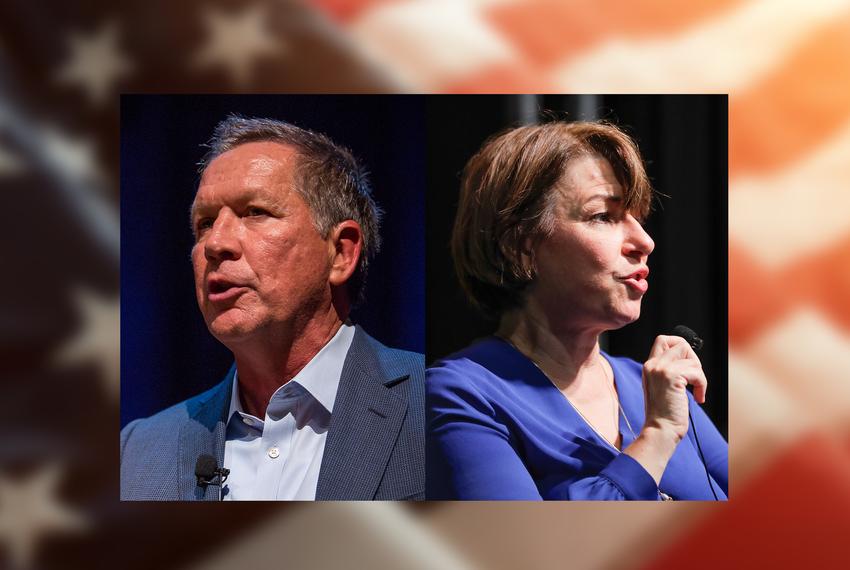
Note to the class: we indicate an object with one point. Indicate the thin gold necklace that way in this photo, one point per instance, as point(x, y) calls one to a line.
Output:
point(664, 496)
point(616, 397)
point(609, 381)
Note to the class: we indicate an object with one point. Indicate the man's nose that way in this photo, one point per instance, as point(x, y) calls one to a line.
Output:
point(222, 241)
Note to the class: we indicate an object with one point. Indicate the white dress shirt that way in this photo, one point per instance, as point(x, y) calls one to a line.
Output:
point(278, 457)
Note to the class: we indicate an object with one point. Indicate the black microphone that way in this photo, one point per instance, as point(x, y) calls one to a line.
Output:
point(696, 343)
point(689, 335)
point(207, 471)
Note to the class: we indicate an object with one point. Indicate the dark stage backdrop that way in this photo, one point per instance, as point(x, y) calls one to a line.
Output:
point(684, 142)
point(167, 354)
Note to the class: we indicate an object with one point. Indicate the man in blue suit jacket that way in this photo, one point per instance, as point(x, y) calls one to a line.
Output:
point(314, 408)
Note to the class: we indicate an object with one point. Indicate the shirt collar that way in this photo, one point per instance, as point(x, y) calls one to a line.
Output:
point(320, 376)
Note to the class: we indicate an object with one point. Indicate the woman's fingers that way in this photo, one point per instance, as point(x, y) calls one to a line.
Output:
point(687, 371)
point(664, 343)
point(671, 367)
point(691, 374)
point(700, 384)
point(659, 346)
point(679, 352)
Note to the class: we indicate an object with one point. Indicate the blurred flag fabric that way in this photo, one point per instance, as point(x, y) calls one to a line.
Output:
point(784, 64)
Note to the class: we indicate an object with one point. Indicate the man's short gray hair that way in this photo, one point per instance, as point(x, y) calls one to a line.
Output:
point(331, 181)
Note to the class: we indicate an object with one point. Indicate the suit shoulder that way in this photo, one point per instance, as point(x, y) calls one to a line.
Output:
point(164, 422)
point(415, 359)
point(396, 360)
point(384, 349)
point(159, 430)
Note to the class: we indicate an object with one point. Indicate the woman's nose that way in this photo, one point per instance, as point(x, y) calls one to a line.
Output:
point(637, 240)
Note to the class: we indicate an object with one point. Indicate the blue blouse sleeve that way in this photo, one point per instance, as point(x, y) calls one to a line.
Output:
point(469, 454)
point(479, 436)
point(623, 479)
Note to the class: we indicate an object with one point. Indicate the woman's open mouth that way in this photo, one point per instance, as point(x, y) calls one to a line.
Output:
point(637, 280)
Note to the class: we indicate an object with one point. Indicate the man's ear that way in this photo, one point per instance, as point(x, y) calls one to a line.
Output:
point(347, 242)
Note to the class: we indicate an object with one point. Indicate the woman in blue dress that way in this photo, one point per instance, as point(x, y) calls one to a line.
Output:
point(549, 237)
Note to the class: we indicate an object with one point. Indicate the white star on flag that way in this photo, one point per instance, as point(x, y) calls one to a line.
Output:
point(98, 339)
point(235, 41)
point(30, 510)
point(95, 63)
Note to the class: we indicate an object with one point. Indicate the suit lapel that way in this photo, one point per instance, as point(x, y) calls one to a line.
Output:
point(366, 421)
point(204, 433)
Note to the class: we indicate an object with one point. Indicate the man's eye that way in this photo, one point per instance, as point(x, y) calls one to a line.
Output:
point(255, 211)
point(203, 224)
point(601, 217)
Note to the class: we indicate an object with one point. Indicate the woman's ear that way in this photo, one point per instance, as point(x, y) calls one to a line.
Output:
point(347, 241)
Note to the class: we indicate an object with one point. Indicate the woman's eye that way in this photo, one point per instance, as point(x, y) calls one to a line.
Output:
point(601, 217)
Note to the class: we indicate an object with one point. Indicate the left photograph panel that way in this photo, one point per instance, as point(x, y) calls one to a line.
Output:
point(272, 297)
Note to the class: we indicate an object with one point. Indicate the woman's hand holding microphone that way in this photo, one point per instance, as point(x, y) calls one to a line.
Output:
point(671, 366)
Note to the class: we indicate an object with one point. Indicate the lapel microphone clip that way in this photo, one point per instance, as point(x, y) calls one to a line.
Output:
point(208, 473)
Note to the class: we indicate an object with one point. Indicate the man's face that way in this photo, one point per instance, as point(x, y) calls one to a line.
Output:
point(261, 267)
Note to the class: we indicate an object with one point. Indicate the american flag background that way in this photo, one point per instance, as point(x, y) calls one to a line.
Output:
point(786, 67)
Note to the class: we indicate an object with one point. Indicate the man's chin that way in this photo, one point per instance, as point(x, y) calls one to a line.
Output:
point(228, 330)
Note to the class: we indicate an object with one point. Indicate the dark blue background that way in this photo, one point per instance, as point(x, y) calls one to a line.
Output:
point(167, 354)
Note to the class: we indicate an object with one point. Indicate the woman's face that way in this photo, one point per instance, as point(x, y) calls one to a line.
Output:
point(592, 268)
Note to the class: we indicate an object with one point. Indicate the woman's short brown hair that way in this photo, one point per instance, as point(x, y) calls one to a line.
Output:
point(507, 202)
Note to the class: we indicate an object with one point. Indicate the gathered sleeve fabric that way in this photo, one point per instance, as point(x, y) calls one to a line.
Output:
point(623, 479)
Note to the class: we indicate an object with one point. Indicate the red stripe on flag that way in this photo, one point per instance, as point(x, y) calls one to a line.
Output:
point(504, 79)
point(759, 296)
point(549, 31)
point(755, 300)
point(794, 514)
point(793, 110)
point(824, 280)
point(346, 10)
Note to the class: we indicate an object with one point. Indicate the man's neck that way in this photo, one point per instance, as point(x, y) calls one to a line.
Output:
point(266, 365)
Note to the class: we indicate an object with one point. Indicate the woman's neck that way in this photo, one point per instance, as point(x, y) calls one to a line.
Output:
point(563, 353)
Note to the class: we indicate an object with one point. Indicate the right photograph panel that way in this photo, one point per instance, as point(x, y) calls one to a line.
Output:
point(576, 329)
